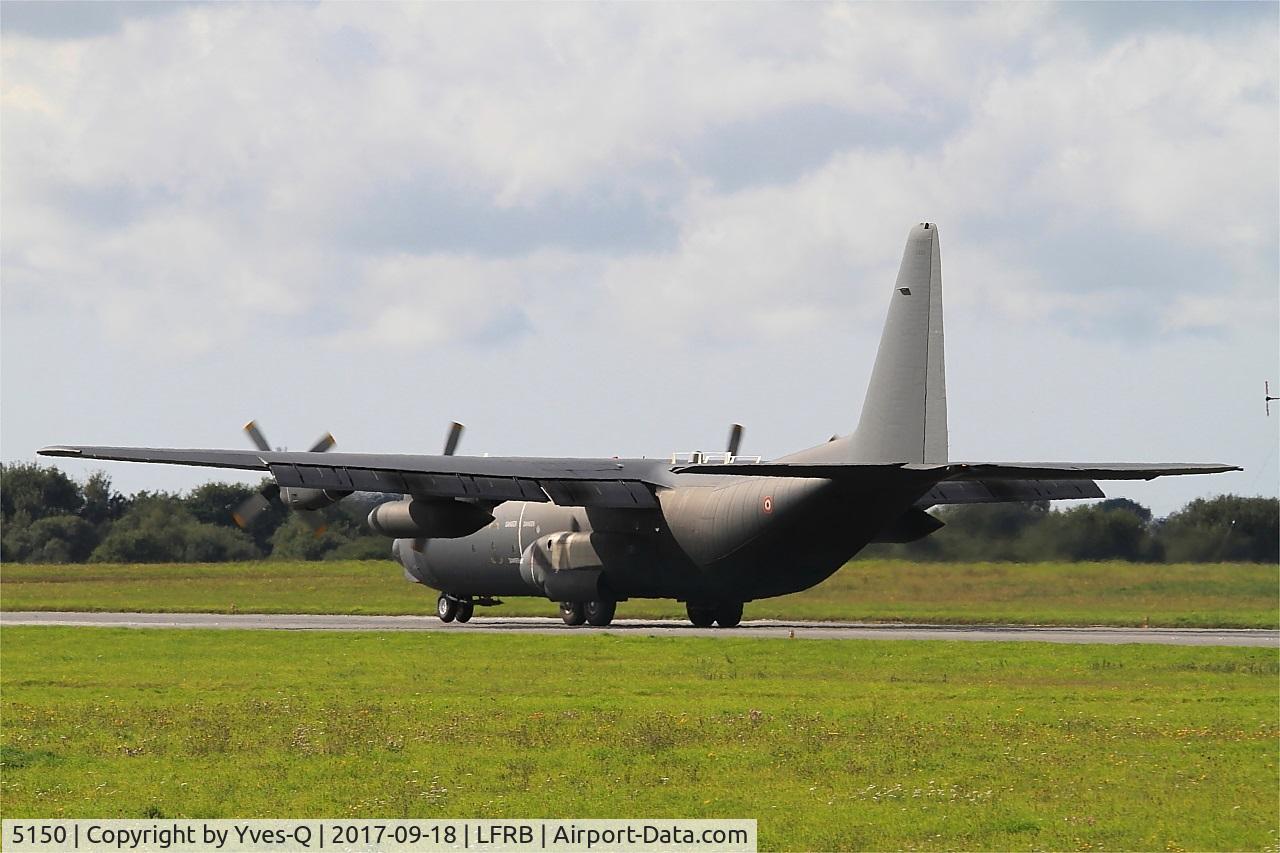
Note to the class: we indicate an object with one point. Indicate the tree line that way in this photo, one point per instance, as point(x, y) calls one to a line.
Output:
point(1207, 530)
point(50, 518)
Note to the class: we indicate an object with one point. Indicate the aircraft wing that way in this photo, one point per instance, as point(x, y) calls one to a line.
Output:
point(603, 482)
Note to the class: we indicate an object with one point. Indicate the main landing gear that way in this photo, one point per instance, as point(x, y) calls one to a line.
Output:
point(450, 609)
point(574, 613)
point(726, 614)
point(598, 613)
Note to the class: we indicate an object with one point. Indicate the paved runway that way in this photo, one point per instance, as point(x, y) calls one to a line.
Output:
point(662, 628)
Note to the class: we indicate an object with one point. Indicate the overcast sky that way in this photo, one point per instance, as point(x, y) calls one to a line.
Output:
point(599, 229)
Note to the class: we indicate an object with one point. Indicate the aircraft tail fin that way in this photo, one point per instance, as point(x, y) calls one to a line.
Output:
point(904, 415)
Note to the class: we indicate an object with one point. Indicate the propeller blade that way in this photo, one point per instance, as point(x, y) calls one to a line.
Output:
point(254, 505)
point(255, 435)
point(455, 434)
point(735, 439)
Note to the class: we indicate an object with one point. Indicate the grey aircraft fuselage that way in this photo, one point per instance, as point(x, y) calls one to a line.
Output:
point(711, 538)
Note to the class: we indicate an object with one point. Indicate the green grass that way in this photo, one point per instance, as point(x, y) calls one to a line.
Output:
point(829, 744)
point(1203, 594)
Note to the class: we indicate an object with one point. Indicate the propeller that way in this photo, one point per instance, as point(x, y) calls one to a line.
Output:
point(451, 442)
point(735, 439)
point(258, 503)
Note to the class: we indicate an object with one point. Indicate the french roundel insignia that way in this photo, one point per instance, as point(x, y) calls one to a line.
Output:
point(767, 505)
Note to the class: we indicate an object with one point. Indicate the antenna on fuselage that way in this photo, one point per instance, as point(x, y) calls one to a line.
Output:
point(1266, 393)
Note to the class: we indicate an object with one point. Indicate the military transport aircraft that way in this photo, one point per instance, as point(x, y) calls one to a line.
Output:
point(712, 530)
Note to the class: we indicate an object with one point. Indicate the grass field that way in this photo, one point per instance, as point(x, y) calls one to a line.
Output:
point(829, 744)
point(1215, 594)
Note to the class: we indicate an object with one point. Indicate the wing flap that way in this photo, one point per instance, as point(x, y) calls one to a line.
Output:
point(616, 494)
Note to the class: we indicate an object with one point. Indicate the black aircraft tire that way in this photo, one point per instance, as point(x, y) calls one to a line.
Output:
point(729, 614)
point(600, 611)
point(574, 613)
point(465, 611)
point(701, 615)
point(446, 608)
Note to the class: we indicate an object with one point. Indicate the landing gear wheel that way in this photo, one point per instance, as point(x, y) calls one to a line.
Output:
point(701, 615)
point(446, 608)
point(600, 611)
point(573, 612)
point(465, 610)
point(729, 614)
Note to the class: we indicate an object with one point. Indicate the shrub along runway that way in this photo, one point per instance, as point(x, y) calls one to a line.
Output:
point(659, 628)
point(830, 745)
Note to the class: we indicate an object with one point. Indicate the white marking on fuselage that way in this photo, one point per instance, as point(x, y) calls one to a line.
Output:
point(520, 528)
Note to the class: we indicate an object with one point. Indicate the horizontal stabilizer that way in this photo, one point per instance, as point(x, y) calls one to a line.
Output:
point(1009, 491)
point(984, 471)
point(987, 471)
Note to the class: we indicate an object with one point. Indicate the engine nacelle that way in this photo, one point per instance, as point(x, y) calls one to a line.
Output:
point(428, 519)
point(299, 498)
point(564, 566)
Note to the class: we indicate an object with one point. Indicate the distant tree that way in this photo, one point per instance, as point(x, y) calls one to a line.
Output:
point(26, 487)
point(295, 540)
point(60, 539)
point(1223, 529)
point(102, 505)
point(1097, 532)
point(362, 548)
point(211, 543)
point(158, 529)
point(1143, 514)
point(214, 503)
point(15, 537)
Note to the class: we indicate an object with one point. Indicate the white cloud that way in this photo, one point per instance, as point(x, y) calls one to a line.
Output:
point(191, 182)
